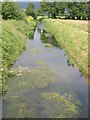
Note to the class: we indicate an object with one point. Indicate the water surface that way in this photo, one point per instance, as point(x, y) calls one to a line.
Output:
point(48, 86)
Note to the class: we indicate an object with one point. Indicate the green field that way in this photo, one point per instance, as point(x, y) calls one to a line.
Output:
point(72, 35)
point(14, 34)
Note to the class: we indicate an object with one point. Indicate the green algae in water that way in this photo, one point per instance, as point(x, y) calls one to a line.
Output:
point(19, 110)
point(72, 98)
point(40, 62)
point(26, 90)
point(33, 79)
point(48, 45)
point(22, 103)
point(32, 49)
point(61, 107)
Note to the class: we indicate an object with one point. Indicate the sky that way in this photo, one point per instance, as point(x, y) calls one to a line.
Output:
point(24, 5)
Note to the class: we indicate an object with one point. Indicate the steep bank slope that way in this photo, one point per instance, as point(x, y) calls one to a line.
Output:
point(14, 34)
point(72, 39)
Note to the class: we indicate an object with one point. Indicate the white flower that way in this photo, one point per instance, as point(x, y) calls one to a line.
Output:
point(11, 71)
point(1, 69)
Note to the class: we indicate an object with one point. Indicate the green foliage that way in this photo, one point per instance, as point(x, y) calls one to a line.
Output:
point(30, 10)
point(73, 10)
point(29, 18)
point(78, 10)
point(39, 11)
point(50, 8)
point(11, 10)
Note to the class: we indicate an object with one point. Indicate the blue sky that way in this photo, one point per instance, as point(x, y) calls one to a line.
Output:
point(24, 5)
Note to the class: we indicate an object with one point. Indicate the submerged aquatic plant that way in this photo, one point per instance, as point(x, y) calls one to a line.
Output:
point(36, 87)
point(32, 49)
point(22, 103)
point(61, 107)
point(48, 45)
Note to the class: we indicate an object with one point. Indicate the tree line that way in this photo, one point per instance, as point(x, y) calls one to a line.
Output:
point(71, 10)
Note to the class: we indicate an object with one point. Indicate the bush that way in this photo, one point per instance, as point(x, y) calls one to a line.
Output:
point(11, 10)
point(29, 18)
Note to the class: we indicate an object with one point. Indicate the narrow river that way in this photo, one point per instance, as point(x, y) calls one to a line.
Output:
point(45, 85)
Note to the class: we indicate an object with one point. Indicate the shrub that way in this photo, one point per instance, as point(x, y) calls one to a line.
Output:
point(29, 18)
point(11, 10)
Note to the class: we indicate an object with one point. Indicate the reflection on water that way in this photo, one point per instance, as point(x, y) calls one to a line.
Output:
point(48, 38)
point(44, 85)
point(31, 33)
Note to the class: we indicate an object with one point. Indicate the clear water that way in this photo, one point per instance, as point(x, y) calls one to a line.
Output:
point(48, 86)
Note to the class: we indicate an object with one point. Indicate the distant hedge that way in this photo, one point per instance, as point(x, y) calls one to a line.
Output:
point(11, 10)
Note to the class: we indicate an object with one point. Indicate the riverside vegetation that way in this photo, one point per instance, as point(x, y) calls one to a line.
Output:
point(16, 26)
point(14, 34)
point(35, 89)
point(73, 37)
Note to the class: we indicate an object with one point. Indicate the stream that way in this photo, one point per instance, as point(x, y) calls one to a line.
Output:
point(45, 84)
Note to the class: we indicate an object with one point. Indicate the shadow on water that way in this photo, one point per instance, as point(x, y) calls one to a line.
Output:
point(43, 84)
point(48, 38)
point(31, 33)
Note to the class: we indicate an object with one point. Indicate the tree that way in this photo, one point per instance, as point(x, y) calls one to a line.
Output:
point(71, 10)
point(45, 8)
point(49, 8)
point(53, 8)
point(88, 10)
point(85, 11)
point(11, 10)
point(39, 11)
point(30, 10)
point(78, 10)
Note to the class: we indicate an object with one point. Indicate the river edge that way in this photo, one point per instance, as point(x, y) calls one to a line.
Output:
point(33, 52)
point(83, 66)
point(14, 34)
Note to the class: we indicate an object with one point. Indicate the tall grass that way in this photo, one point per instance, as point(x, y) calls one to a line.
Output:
point(73, 39)
point(14, 34)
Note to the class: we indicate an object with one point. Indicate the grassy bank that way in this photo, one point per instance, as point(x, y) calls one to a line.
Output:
point(14, 34)
point(73, 37)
